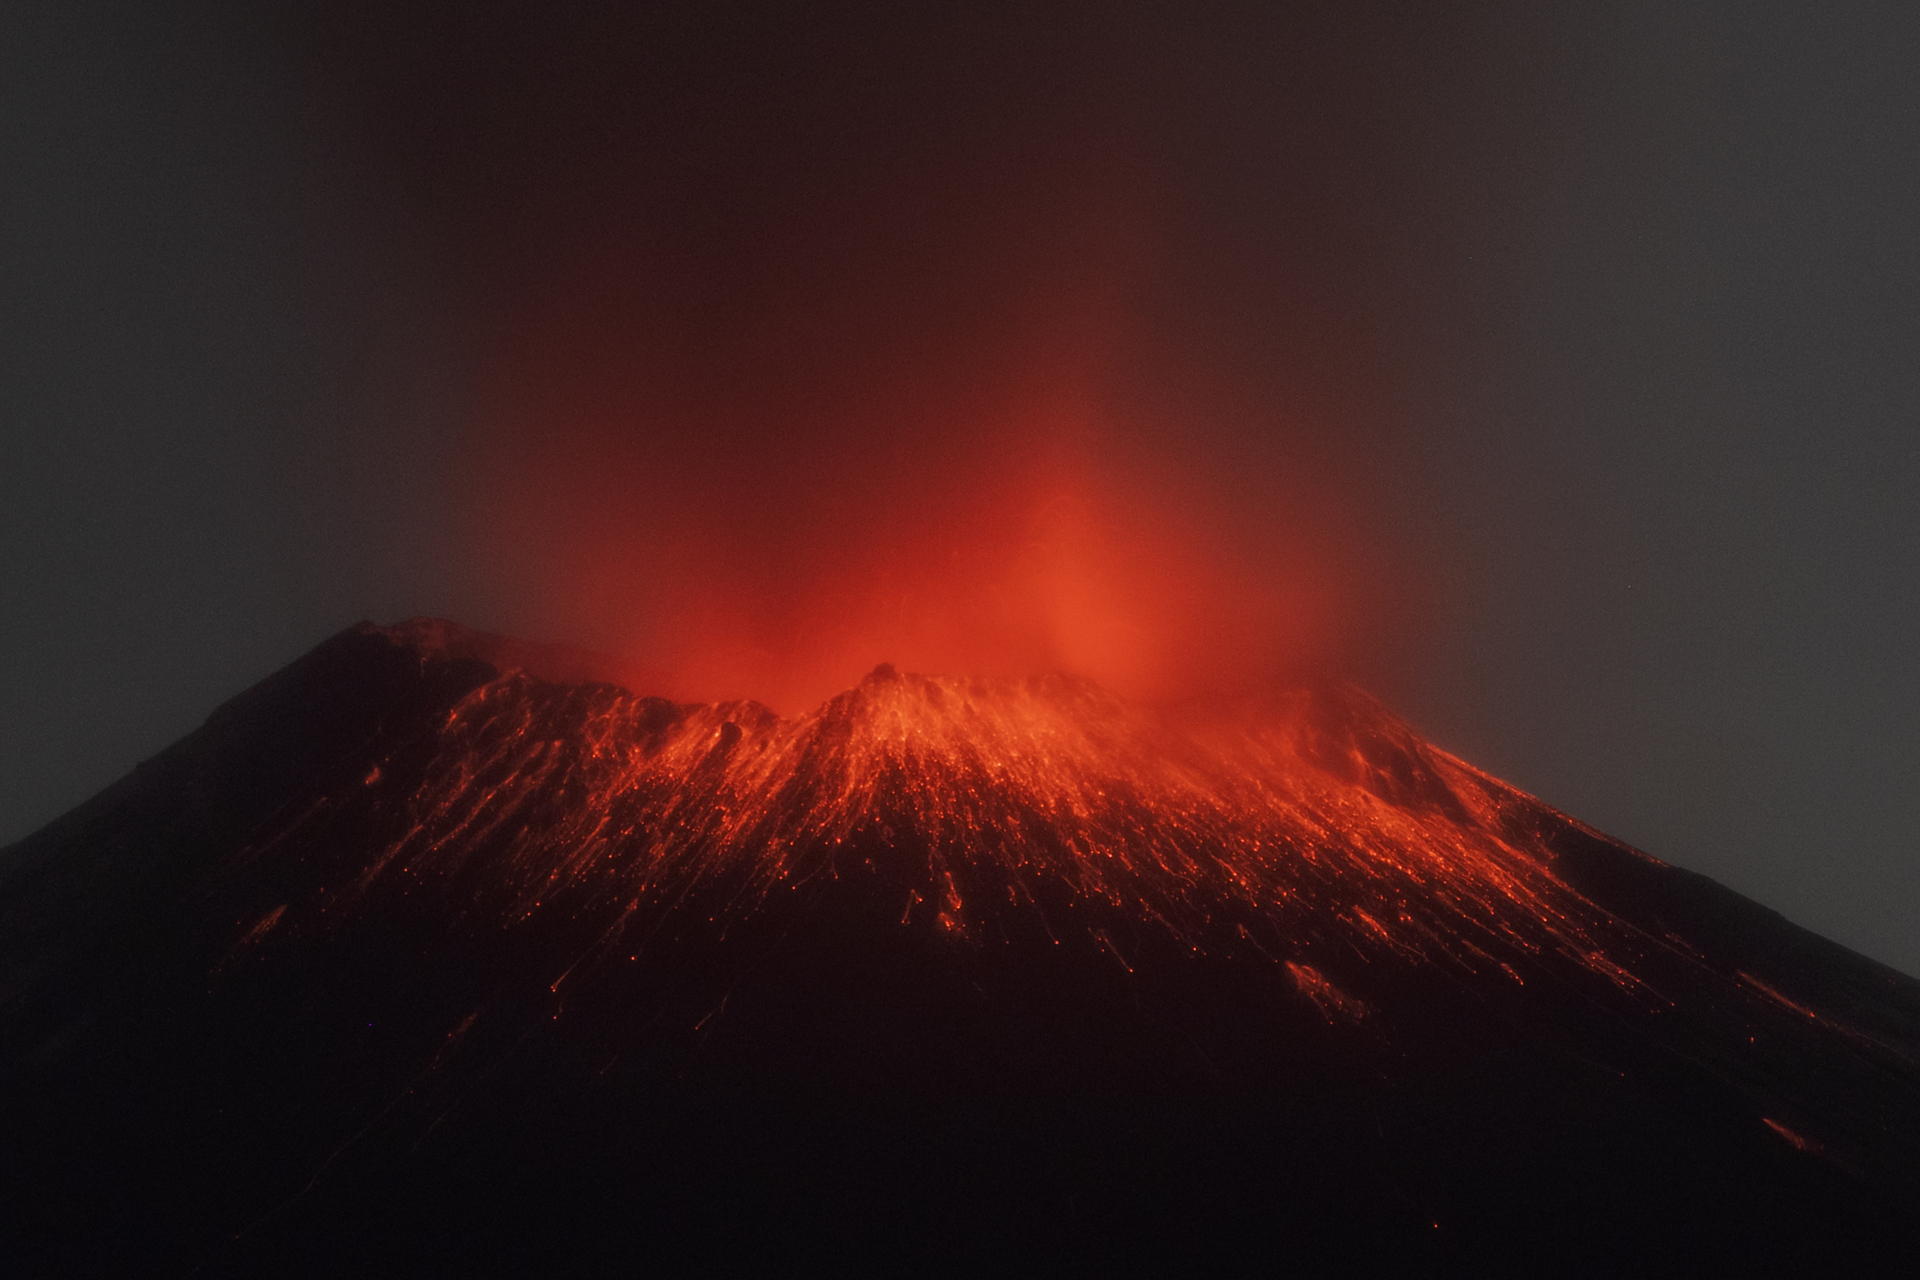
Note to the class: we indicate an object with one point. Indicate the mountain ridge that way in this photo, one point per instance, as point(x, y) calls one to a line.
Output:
point(441, 896)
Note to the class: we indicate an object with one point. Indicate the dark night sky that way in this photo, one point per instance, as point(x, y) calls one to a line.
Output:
point(1574, 345)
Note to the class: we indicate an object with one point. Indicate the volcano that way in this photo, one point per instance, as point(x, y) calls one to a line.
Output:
point(432, 954)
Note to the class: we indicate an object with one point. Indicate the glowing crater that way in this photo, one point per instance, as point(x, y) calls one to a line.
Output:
point(1315, 821)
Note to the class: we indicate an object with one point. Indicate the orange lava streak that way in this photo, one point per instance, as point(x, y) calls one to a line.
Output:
point(1321, 811)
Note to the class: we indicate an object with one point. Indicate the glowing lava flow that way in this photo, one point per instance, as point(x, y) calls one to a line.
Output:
point(430, 918)
point(1319, 826)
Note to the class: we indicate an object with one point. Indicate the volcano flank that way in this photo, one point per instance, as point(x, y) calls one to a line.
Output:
point(433, 953)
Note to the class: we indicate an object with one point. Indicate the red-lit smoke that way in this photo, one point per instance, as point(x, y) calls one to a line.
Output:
point(993, 515)
point(808, 340)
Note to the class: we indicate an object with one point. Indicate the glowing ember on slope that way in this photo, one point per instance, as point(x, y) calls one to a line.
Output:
point(1318, 822)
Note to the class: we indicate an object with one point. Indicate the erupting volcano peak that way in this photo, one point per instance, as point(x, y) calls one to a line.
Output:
point(1312, 822)
point(1210, 979)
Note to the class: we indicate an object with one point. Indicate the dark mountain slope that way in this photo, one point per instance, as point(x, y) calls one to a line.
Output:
point(409, 959)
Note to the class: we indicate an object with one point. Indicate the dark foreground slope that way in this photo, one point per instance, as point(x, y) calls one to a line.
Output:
point(411, 961)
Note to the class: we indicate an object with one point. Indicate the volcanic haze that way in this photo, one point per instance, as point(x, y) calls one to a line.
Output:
point(794, 342)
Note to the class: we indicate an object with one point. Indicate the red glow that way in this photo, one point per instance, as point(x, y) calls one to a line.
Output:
point(1000, 537)
point(965, 455)
point(1797, 1141)
point(1317, 820)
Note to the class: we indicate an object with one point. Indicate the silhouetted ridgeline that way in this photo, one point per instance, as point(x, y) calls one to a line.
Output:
point(409, 959)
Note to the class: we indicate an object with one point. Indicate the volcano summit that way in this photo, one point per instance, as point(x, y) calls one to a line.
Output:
point(429, 953)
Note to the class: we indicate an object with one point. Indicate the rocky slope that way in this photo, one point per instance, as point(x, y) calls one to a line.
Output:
point(431, 949)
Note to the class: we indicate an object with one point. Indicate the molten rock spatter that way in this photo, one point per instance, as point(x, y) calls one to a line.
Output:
point(1320, 822)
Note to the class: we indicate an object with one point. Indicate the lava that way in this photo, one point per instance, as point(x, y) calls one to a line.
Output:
point(1315, 821)
point(436, 933)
